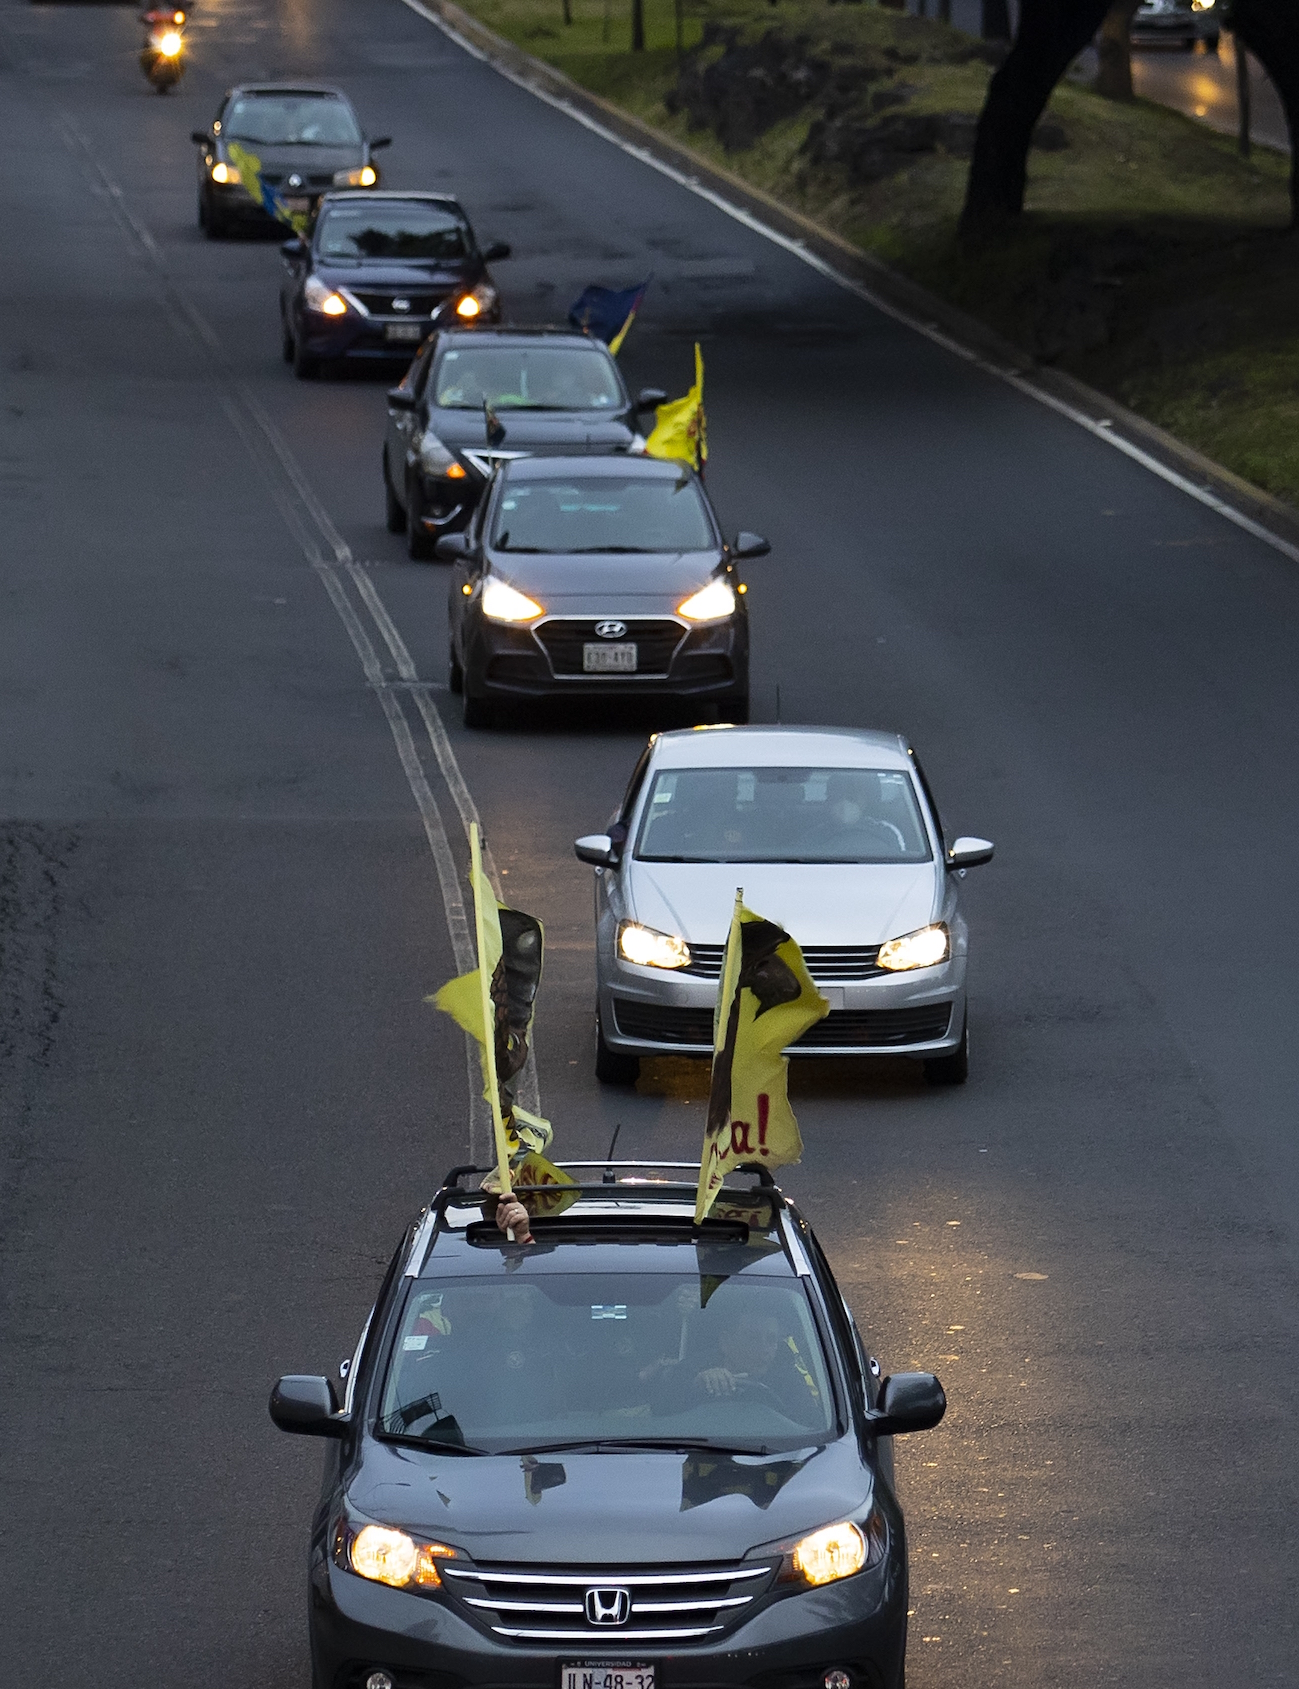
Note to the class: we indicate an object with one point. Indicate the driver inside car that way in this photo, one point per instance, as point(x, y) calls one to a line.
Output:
point(752, 1359)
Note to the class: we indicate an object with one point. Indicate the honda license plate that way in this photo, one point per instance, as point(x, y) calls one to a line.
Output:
point(404, 331)
point(609, 659)
point(605, 1674)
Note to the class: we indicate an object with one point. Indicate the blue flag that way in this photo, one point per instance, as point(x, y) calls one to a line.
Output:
point(607, 313)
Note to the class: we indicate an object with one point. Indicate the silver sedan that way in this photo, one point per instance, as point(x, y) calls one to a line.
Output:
point(830, 832)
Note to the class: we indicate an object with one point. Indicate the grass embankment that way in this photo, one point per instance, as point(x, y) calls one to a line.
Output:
point(1152, 261)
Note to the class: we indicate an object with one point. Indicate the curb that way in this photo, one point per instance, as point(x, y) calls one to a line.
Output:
point(1269, 517)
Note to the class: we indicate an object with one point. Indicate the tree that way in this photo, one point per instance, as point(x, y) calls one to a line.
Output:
point(1270, 29)
point(638, 26)
point(1050, 37)
point(1114, 74)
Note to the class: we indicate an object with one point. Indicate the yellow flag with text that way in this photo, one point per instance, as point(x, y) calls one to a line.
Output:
point(766, 1000)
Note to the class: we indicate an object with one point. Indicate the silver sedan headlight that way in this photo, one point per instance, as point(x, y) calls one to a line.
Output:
point(924, 948)
point(650, 949)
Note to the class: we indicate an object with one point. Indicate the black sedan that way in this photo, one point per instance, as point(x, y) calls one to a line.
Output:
point(307, 138)
point(476, 397)
point(631, 1454)
point(595, 578)
point(376, 273)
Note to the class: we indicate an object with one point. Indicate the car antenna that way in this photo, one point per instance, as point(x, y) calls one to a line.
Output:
point(608, 1178)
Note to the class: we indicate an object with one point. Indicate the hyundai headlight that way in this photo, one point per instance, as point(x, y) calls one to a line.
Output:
point(924, 948)
point(503, 603)
point(323, 299)
point(651, 949)
point(712, 603)
point(434, 458)
point(384, 1554)
point(477, 302)
point(364, 176)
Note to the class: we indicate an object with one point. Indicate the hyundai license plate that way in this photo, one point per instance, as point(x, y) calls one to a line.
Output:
point(609, 659)
point(605, 1674)
point(404, 331)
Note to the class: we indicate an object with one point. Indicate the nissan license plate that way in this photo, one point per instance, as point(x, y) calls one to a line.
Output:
point(603, 1674)
point(404, 331)
point(297, 205)
point(609, 659)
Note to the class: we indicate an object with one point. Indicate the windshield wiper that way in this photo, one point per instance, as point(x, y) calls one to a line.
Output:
point(613, 550)
point(438, 1444)
point(598, 1444)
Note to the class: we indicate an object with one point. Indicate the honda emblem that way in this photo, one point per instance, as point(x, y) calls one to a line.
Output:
point(608, 1606)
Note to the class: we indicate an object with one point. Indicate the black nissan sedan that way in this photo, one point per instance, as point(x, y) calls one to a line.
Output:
point(635, 1453)
point(548, 391)
point(597, 578)
point(375, 274)
point(308, 139)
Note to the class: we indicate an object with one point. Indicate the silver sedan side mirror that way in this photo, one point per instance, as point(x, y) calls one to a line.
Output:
point(597, 849)
point(970, 853)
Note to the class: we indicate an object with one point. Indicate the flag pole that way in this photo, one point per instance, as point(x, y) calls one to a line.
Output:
point(726, 987)
point(489, 1016)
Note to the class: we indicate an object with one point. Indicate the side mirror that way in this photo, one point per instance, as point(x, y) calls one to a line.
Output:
point(400, 398)
point(970, 853)
point(496, 251)
point(379, 142)
point(909, 1401)
point(649, 398)
point(306, 1406)
point(199, 138)
point(597, 849)
point(452, 547)
point(750, 545)
point(293, 248)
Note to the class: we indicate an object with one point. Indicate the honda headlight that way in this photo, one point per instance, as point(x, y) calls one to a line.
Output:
point(364, 176)
point(478, 301)
point(712, 603)
point(503, 603)
point(318, 297)
point(434, 458)
point(835, 1551)
point(924, 948)
point(651, 949)
point(384, 1554)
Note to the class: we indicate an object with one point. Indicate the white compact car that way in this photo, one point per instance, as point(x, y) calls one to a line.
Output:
point(830, 832)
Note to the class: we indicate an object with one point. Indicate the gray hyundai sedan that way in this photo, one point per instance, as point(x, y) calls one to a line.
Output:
point(831, 832)
point(597, 578)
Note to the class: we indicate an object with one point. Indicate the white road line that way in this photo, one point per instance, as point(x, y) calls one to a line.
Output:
point(930, 331)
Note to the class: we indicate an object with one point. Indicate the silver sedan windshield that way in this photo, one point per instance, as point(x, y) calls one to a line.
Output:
point(782, 815)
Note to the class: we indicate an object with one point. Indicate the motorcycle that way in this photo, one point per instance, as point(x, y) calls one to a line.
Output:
point(163, 57)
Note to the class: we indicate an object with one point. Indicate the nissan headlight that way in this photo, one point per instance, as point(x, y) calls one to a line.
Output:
point(477, 302)
point(712, 603)
point(364, 176)
point(318, 297)
point(226, 175)
point(924, 948)
point(503, 603)
point(384, 1554)
point(651, 949)
point(434, 458)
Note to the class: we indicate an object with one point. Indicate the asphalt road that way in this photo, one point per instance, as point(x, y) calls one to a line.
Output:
point(1203, 85)
point(220, 904)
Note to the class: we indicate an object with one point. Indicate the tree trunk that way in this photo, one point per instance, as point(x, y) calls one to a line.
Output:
point(1051, 35)
point(638, 26)
point(1114, 74)
point(1270, 30)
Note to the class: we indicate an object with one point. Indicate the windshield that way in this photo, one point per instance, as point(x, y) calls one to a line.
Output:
point(387, 230)
point(603, 513)
point(576, 1358)
point(782, 815)
point(534, 378)
point(292, 120)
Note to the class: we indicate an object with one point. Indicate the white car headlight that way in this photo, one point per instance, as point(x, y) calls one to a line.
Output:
point(318, 297)
point(651, 949)
point(502, 602)
point(434, 458)
point(712, 603)
point(924, 948)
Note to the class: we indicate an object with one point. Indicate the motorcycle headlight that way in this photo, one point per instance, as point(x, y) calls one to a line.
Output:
point(504, 603)
point(924, 948)
point(651, 949)
point(386, 1555)
point(434, 458)
point(226, 174)
point(482, 298)
point(321, 298)
point(712, 603)
point(364, 176)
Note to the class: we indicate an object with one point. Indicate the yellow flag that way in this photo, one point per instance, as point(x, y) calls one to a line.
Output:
point(765, 1002)
point(680, 426)
point(249, 166)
